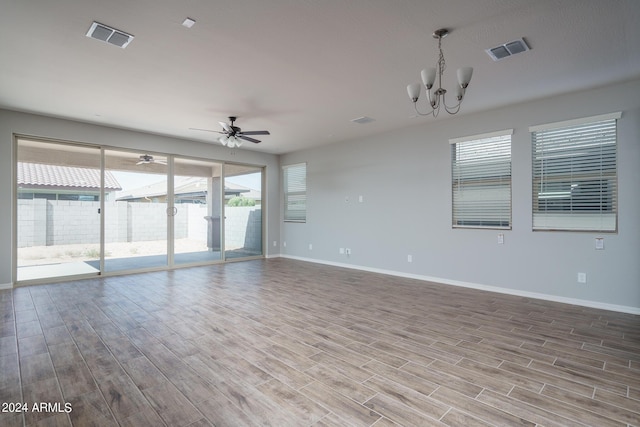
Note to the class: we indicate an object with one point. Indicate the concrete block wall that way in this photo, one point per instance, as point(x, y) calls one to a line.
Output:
point(59, 222)
point(72, 222)
point(243, 227)
point(146, 221)
point(196, 223)
point(32, 224)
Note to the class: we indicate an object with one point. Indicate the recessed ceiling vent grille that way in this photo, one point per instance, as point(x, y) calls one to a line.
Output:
point(508, 49)
point(109, 35)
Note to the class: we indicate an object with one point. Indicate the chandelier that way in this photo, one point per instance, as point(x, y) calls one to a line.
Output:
point(230, 141)
point(436, 97)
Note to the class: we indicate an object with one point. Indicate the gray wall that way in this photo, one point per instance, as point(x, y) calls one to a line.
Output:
point(404, 178)
point(28, 124)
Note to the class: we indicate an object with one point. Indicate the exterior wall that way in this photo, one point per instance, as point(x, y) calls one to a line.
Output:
point(56, 222)
point(243, 227)
point(196, 223)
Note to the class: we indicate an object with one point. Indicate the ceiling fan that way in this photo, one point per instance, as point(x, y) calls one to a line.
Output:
point(232, 135)
point(147, 159)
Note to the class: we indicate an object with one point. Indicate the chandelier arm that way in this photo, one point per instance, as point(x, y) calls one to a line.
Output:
point(415, 107)
point(432, 102)
point(452, 110)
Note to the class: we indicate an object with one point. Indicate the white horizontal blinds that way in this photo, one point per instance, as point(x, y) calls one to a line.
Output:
point(575, 183)
point(481, 180)
point(295, 192)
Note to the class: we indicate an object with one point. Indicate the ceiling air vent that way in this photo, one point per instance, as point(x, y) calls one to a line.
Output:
point(508, 49)
point(110, 35)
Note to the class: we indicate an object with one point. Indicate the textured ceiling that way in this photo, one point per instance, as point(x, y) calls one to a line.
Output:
point(299, 68)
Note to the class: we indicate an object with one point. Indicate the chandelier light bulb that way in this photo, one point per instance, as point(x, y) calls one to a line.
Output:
point(464, 76)
point(414, 91)
point(428, 77)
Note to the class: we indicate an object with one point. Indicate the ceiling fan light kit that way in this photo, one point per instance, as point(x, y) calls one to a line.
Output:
point(230, 141)
point(436, 97)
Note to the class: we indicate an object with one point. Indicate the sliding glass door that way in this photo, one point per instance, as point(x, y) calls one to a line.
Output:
point(242, 211)
point(197, 204)
point(58, 205)
point(136, 216)
point(87, 210)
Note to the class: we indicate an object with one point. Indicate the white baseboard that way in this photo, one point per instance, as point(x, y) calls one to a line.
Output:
point(534, 295)
point(6, 286)
point(273, 256)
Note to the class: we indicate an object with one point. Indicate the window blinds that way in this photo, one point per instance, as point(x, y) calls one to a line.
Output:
point(295, 192)
point(481, 180)
point(575, 174)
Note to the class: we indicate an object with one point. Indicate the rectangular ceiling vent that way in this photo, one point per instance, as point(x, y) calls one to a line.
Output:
point(109, 35)
point(508, 49)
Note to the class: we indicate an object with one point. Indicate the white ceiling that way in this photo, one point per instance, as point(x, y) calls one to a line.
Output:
point(299, 68)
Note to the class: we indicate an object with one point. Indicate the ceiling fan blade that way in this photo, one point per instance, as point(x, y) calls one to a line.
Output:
point(206, 130)
point(256, 132)
point(226, 127)
point(246, 138)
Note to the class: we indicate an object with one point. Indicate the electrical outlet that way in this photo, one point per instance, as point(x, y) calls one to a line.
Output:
point(582, 277)
point(284, 244)
point(409, 258)
point(310, 247)
point(341, 250)
point(275, 243)
point(347, 251)
point(501, 238)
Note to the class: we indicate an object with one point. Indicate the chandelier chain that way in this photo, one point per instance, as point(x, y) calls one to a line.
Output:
point(441, 63)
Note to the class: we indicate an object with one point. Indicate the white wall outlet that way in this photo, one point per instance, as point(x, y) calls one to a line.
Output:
point(501, 238)
point(310, 247)
point(341, 251)
point(346, 199)
point(582, 277)
point(284, 244)
point(360, 199)
point(409, 258)
point(275, 243)
point(600, 243)
point(347, 251)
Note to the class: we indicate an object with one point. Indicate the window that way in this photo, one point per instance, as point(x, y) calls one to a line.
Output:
point(481, 180)
point(295, 192)
point(575, 175)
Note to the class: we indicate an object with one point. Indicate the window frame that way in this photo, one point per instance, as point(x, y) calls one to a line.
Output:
point(582, 144)
point(293, 215)
point(486, 186)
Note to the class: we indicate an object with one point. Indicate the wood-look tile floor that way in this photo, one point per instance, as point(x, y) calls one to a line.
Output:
point(289, 343)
